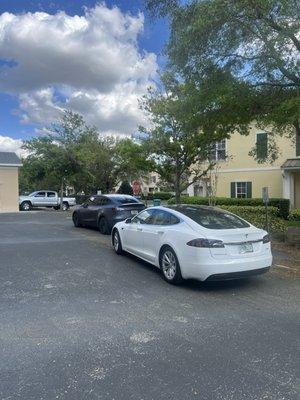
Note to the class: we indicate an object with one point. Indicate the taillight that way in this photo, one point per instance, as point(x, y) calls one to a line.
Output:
point(208, 243)
point(266, 239)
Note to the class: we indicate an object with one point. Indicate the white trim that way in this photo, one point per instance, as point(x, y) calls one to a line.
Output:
point(249, 169)
point(11, 165)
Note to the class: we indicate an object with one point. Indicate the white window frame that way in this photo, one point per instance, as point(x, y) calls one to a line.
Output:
point(236, 190)
point(215, 149)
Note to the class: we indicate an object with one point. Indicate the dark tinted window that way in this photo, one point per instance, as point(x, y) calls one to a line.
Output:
point(144, 217)
point(91, 200)
point(211, 218)
point(164, 218)
point(125, 200)
point(106, 201)
point(98, 201)
point(50, 194)
point(40, 194)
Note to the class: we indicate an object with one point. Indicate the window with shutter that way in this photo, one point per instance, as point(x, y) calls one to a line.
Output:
point(297, 145)
point(241, 189)
point(262, 145)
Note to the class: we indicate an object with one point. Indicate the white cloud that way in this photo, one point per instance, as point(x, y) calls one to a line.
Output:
point(89, 63)
point(9, 144)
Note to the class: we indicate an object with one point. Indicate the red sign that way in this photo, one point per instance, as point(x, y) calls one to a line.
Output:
point(136, 187)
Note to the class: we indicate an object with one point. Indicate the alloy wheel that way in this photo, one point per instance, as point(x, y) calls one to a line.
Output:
point(169, 265)
point(116, 241)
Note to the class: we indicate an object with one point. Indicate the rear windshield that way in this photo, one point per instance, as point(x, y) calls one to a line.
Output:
point(125, 200)
point(212, 218)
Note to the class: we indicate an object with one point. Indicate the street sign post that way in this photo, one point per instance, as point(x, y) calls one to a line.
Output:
point(265, 197)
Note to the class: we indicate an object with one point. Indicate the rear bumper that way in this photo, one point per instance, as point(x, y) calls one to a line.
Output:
point(236, 275)
point(209, 268)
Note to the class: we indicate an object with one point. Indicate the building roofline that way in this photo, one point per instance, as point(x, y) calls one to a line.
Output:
point(11, 165)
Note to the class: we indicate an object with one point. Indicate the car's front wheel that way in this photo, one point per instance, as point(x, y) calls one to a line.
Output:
point(169, 265)
point(26, 206)
point(76, 220)
point(116, 241)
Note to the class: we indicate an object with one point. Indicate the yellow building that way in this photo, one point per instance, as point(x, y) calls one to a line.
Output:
point(240, 175)
point(9, 182)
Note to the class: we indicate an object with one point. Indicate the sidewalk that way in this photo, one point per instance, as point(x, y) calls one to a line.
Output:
point(286, 258)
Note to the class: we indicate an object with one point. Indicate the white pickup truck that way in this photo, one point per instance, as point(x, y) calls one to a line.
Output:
point(45, 198)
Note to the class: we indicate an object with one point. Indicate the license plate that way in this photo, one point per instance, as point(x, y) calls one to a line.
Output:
point(134, 212)
point(246, 248)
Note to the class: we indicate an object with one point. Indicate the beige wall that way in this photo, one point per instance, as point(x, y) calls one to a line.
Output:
point(238, 147)
point(241, 167)
point(9, 189)
point(259, 179)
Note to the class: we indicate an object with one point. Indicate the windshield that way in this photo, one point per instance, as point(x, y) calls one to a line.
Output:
point(211, 218)
point(32, 194)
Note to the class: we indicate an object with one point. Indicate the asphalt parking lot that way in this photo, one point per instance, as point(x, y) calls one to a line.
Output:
point(79, 322)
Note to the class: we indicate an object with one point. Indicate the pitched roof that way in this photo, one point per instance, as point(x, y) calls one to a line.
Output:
point(8, 158)
point(292, 163)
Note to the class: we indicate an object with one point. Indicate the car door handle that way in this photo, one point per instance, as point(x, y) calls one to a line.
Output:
point(160, 232)
point(139, 229)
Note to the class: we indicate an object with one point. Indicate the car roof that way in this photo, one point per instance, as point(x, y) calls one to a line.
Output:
point(117, 195)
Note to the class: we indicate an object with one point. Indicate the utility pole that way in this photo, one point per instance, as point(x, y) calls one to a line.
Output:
point(62, 190)
point(61, 193)
point(265, 197)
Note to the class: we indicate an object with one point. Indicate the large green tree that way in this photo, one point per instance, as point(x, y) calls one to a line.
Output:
point(177, 140)
point(131, 161)
point(72, 151)
point(254, 44)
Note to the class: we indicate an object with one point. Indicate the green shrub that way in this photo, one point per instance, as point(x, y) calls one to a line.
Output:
point(294, 215)
point(125, 188)
point(160, 195)
point(256, 216)
point(282, 205)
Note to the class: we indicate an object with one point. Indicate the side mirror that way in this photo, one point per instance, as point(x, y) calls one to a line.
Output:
point(128, 221)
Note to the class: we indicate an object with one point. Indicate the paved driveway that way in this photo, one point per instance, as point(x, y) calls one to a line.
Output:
point(79, 322)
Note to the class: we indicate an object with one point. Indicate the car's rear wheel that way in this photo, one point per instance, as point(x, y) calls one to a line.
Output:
point(169, 265)
point(103, 226)
point(116, 240)
point(26, 206)
point(65, 206)
point(76, 220)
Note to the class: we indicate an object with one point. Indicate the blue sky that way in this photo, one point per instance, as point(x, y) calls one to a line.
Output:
point(20, 104)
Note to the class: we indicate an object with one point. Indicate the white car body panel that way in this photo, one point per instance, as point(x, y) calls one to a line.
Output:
point(145, 241)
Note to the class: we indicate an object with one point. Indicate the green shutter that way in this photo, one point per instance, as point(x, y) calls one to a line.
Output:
point(249, 190)
point(262, 145)
point(232, 189)
point(297, 145)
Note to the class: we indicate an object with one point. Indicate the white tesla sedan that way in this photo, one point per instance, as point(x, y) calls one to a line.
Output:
point(199, 242)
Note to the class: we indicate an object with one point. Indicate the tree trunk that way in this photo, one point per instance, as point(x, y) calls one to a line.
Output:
point(177, 188)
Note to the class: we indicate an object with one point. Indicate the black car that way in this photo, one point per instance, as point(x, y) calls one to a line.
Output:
point(106, 210)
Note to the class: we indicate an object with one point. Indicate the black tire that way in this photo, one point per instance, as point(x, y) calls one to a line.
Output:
point(169, 266)
point(65, 206)
point(103, 226)
point(56, 208)
point(76, 220)
point(116, 242)
point(26, 206)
